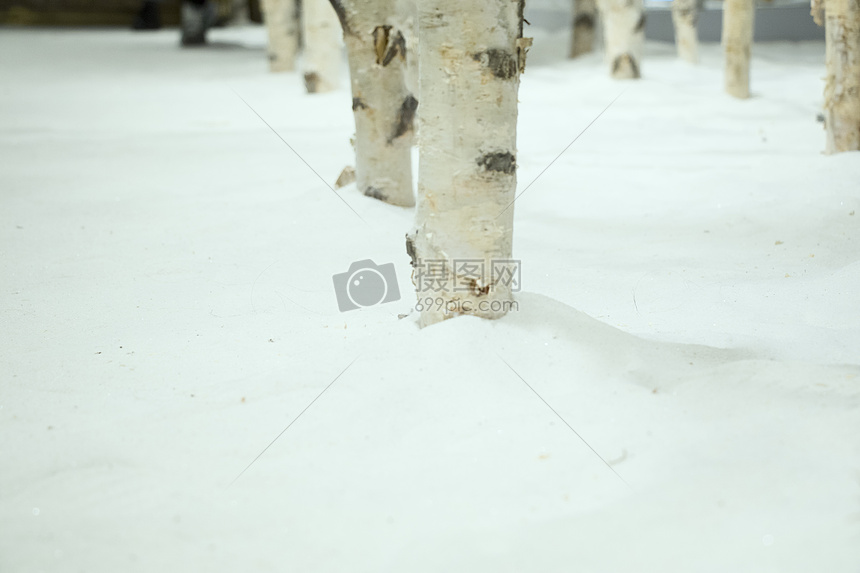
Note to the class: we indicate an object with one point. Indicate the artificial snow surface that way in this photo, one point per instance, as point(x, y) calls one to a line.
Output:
point(690, 308)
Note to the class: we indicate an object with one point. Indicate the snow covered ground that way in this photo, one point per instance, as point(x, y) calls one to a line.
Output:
point(691, 268)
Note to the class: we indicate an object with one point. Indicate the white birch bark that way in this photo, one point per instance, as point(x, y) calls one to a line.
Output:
point(738, 18)
point(471, 56)
point(283, 30)
point(383, 108)
point(842, 90)
point(584, 21)
point(407, 15)
point(322, 49)
point(624, 35)
point(685, 16)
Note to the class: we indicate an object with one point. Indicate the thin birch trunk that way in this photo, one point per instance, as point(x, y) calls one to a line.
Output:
point(322, 36)
point(283, 29)
point(584, 20)
point(624, 32)
point(842, 90)
point(738, 17)
point(471, 57)
point(382, 106)
point(685, 16)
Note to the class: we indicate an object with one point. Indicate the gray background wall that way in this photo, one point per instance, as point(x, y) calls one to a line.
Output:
point(776, 21)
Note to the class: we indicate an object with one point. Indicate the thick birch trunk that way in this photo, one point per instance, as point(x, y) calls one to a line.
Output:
point(624, 31)
point(383, 108)
point(283, 29)
point(584, 20)
point(842, 90)
point(685, 16)
point(321, 32)
point(738, 17)
point(471, 56)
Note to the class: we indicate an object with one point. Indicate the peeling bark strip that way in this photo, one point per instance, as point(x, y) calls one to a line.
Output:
point(467, 167)
point(410, 250)
point(738, 18)
point(502, 64)
point(523, 45)
point(685, 16)
point(584, 19)
point(282, 27)
point(501, 162)
point(842, 88)
point(624, 33)
point(383, 108)
point(405, 118)
point(380, 41)
point(387, 48)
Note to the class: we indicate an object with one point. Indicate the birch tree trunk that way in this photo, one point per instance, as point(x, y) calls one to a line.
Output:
point(842, 90)
point(685, 16)
point(584, 20)
point(624, 32)
point(321, 33)
point(283, 29)
point(471, 57)
point(383, 108)
point(407, 14)
point(738, 17)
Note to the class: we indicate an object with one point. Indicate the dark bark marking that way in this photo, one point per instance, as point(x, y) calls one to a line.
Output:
point(341, 15)
point(358, 103)
point(375, 193)
point(521, 8)
point(405, 118)
point(501, 63)
point(395, 47)
point(380, 42)
point(312, 81)
point(476, 290)
point(410, 250)
point(640, 25)
point(686, 13)
point(499, 161)
point(626, 60)
point(584, 21)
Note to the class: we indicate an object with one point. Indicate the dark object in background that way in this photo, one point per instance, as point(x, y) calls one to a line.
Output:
point(197, 17)
point(254, 12)
point(118, 13)
point(149, 17)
